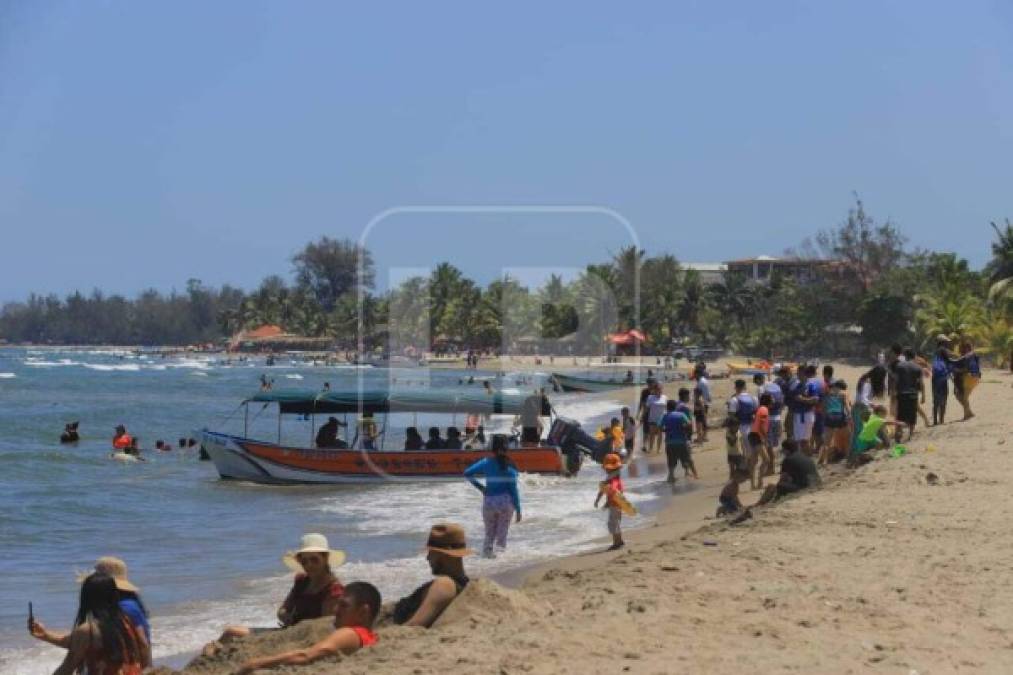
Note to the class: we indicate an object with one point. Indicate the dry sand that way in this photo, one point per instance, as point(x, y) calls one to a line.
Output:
point(883, 570)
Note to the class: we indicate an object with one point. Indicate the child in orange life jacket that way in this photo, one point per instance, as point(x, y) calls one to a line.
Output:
point(610, 488)
point(614, 434)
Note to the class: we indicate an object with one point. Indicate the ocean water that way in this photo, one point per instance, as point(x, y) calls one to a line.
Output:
point(206, 552)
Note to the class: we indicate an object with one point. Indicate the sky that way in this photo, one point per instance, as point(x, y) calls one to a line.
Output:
point(145, 143)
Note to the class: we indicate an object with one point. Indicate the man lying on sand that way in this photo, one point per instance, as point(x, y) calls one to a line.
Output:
point(446, 550)
point(353, 621)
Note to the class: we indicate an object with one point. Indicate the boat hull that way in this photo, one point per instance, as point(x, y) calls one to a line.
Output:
point(588, 385)
point(745, 369)
point(762, 368)
point(259, 462)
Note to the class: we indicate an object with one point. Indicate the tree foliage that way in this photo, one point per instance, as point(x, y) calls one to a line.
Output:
point(876, 289)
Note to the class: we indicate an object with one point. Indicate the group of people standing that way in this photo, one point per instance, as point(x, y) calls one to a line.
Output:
point(811, 410)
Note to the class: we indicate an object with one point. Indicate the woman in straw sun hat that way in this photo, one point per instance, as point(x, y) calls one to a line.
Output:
point(314, 593)
point(130, 595)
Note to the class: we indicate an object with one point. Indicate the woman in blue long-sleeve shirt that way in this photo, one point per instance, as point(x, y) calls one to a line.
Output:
point(502, 500)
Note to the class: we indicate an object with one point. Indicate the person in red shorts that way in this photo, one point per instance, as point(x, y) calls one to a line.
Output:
point(353, 623)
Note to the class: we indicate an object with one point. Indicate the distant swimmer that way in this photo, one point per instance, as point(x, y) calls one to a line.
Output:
point(121, 440)
point(70, 434)
point(162, 446)
point(134, 449)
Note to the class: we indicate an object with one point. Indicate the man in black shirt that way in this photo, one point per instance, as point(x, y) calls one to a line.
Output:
point(798, 472)
point(910, 387)
point(446, 551)
point(642, 411)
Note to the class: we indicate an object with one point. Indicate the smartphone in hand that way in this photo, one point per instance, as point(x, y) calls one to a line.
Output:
point(31, 618)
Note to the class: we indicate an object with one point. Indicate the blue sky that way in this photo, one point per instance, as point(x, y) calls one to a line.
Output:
point(143, 143)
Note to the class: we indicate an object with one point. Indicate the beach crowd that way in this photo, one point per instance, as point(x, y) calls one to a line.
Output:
point(801, 412)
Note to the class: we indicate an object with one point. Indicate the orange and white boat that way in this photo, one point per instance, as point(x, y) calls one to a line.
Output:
point(244, 458)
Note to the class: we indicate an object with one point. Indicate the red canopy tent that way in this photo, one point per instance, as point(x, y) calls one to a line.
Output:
point(627, 339)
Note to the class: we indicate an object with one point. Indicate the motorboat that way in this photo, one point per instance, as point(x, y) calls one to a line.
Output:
point(241, 457)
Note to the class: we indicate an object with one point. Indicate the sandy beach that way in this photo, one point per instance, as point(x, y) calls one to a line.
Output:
point(885, 569)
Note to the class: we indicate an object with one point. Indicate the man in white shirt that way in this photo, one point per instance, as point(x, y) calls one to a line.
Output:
point(743, 406)
point(656, 408)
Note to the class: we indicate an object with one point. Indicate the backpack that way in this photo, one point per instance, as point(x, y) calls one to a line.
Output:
point(833, 411)
point(745, 410)
point(791, 391)
point(776, 395)
point(940, 369)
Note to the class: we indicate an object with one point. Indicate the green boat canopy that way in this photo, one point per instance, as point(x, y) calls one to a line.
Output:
point(305, 402)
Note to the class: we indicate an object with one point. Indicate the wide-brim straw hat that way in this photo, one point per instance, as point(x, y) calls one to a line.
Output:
point(313, 543)
point(943, 338)
point(448, 539)
point(612, 462)
point(113, 567)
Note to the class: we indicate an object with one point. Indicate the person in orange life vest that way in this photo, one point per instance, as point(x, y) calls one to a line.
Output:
point(608, 488)
point(121, 440)
point(353, 622)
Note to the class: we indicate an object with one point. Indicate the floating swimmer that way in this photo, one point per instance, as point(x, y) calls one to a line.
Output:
point(70, 434)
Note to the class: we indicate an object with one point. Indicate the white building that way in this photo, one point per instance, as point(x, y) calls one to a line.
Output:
point(710, 273)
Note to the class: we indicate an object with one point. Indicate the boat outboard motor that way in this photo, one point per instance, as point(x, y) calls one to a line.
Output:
point(574, 442)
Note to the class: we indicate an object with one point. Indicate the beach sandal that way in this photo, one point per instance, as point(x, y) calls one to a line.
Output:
point(616, 547)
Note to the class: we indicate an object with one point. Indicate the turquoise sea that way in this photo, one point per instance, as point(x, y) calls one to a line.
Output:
point(206, 552)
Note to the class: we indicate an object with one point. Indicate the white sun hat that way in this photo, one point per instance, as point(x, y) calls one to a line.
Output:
point(313, 543)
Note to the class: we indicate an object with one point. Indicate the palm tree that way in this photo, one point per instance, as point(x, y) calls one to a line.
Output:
point(692, 302)
point(994, 335)
point(662, 297)
point(558, 315)
point(444, 285)
point(734, 297)
point(1001, 291)
point(627, 266)
point(1001, 265)
point(949, 312)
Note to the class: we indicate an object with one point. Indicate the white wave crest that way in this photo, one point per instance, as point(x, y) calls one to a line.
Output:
point(108, 368)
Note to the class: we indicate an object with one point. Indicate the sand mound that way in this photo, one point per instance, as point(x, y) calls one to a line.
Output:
point(484, 606)
point(232, 655)
point(486, 602)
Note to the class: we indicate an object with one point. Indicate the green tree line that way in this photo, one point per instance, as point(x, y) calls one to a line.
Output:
point(873, 290)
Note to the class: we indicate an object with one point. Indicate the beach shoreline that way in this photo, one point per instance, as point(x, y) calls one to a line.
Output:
point(846, 578)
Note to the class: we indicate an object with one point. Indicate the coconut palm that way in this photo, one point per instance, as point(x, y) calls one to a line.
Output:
point(949, 312)
point(692, 302)
point(627, 267)
point(1001, 292)
point(1001, 265)
point(994, 336)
